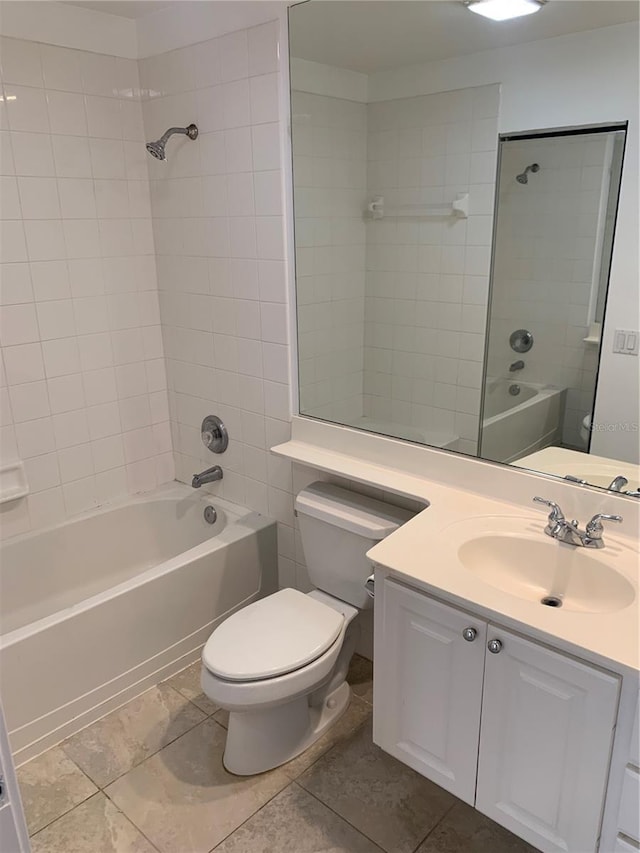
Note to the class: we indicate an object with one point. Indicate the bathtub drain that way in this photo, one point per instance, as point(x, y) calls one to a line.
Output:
point(551, 601)
point(210, 514)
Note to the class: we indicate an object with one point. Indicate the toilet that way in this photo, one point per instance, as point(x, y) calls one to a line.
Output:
point(585, 430)
point(279, 665)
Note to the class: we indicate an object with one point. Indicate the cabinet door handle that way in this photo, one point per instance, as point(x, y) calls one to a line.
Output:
point(470, 634)
point(494, 646)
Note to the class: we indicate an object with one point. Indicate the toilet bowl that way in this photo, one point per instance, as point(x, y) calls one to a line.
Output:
point(279, 665)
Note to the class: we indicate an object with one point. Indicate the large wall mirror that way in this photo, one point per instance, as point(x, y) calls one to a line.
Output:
point(466, 229)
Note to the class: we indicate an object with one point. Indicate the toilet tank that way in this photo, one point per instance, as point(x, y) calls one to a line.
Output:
point(338, 527)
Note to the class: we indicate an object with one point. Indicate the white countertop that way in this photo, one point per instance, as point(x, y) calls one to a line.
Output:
point(423, 553)
point(596, 470)
point(420, 553)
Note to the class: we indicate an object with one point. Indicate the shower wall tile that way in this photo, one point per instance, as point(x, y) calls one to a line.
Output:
point(330, 149)
point(78, 274)
point(427, 278)
point(219, 240)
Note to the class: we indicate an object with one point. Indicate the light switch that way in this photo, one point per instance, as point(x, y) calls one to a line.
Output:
point(626, 342)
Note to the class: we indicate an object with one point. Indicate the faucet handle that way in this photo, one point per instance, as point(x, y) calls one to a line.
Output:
point(556, 516)
point(594, 527)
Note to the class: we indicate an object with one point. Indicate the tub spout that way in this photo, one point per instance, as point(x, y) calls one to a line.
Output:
point(208, 476)
point(517, 365)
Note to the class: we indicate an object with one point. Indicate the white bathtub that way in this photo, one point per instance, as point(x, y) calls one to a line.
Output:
point(515, 426)
point(96, 610)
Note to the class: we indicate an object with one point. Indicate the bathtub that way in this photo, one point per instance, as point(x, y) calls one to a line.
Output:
point(98, 609)
point(516, 426)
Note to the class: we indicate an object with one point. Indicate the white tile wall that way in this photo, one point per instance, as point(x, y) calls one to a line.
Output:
point(330, 149)
point(219, 236)
point(82, 329)
point(84, 400)
point(427, 279)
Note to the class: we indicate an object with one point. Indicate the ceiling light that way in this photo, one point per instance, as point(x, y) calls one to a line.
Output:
point(503, 10)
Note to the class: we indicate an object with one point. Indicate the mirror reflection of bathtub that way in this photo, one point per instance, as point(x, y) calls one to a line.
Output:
point(517, 424)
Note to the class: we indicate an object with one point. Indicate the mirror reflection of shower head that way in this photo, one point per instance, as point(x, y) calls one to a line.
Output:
point(523, 178)
point(156, 149)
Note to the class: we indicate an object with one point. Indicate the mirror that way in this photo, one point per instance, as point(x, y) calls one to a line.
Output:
point(556, 202)
point(466, 219)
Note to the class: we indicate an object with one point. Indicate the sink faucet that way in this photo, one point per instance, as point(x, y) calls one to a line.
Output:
point(517, 365)
point(618, 484)
point(208, 476)
point(568, 531)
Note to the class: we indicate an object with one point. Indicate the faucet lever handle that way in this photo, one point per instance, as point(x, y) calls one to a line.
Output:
point(556, 515)
point(594, 527)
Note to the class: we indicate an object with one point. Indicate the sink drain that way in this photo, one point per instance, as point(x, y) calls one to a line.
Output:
point(551, 601)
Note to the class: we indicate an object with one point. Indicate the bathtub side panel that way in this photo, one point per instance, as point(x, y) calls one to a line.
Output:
point(523, 429)
point(76, 668)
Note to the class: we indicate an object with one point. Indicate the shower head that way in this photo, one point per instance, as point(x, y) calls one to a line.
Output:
point(523, 178)
point(156, 149)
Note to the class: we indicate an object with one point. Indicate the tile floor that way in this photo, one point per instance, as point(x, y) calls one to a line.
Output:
point(148, 778)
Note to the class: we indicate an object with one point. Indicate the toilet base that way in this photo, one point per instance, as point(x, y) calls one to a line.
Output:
point(261, 740)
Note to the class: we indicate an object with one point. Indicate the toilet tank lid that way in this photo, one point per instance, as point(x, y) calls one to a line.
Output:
point(351, 511)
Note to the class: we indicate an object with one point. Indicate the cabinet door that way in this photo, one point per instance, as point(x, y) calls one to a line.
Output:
point(428, 687)
point(545, 743)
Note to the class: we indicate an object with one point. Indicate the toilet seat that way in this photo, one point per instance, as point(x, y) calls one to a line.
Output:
point(272, 637)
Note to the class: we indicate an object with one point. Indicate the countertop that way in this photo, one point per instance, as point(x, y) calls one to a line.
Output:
point(423, 553)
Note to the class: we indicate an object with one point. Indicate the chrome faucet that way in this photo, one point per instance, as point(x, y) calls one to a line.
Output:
point(208, 476)
point(568, 531)
point(517, 365)
point(618, 484)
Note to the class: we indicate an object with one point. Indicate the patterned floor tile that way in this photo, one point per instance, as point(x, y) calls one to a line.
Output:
point(126, 737)
point(50, 785)
point(183, 799)
point(387, 801)
point(96, 826)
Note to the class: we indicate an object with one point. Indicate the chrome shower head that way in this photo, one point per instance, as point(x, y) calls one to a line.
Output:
point(523, 178)
point(156, 149)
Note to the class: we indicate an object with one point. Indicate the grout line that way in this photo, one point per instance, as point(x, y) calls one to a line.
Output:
point(341, 817)
point(151, 755)
point(134, 825)
point(329, 750)
point(101, 787)
point(251, 816)
point(68, 811)
point(436, 825)
point(108, 799)
point(80, 770)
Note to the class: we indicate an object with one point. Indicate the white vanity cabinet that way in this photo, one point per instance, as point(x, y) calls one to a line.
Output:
point(428, 688)
point(628, 838)
point(522, 732)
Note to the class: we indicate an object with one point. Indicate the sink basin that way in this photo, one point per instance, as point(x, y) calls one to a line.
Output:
point(533, 566)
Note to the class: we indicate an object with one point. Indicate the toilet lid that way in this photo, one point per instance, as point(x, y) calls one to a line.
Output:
point(271, 637)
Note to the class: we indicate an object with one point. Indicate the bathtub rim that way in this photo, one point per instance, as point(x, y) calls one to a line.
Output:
point(252, 522)
point(543, 392)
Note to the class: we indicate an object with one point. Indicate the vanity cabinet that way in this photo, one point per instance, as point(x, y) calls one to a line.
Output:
point(518, 730)
point(629, 815)
point(428, 683)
